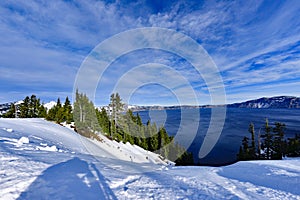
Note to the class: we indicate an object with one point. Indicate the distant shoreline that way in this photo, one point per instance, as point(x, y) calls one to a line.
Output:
point(279, 102)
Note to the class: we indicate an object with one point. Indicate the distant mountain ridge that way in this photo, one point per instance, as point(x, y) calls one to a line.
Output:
point(286, 102)
point(271, 102)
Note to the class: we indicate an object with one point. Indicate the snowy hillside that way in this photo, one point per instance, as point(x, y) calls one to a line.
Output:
point(40, 159)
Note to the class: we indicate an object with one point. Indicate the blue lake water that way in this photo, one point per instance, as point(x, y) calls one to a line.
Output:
point(235, 128)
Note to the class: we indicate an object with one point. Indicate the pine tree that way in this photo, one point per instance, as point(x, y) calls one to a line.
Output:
point(51, 114)
point(32, 107)
point(293, 146)
point(84, 114)
point(245, 150)
point(24, 108)
point(42, 111)
point(279, 143)
point(154, 137)
point(59, 112)
point(268, 140)
point(252, 149)
point(186, 158)
point(67, 111)
point(117, 107)
point(103, 120)
point(11, 113)
point(240, 155)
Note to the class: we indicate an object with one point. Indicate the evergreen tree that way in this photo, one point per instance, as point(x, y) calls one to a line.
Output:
point(240, 155)
point(24, 108)
point(154, 138)
point(245, 151)
point(185, 159)
point(279, 143)
point(67, 111)
point(11, 113)
point(32, 107)
point(274, 146)
point(51, 114)
point(42, 111)
point(84, 114)
point(103, 120)
point(148, 135)
point(117, 107)
point(252, 150)
point(293, 146)
point(268, 141)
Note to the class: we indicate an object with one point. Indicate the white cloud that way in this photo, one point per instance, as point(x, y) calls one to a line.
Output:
point(51, 39)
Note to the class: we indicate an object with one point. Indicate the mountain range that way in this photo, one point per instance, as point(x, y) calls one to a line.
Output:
point(287, 102)
point(273, 102)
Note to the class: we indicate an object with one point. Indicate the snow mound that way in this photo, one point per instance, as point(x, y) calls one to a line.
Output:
point(47, 148)
point(23, 140)
point(10, 130)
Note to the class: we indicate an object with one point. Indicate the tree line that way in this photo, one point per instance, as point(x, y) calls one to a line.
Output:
point(126, 127)
point(271, 144)
point(31, 107)
point(116, 125)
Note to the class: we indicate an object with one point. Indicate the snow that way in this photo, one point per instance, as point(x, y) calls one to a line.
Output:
point(47, 148)
point(8, 130)
point(23, 140)
point(50, 105)
point(43, 160)
point(19, 102)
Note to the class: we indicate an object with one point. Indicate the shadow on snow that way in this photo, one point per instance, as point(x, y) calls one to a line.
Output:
point(73, 179)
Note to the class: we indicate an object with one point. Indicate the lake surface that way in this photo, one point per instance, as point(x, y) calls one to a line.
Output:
point(235, 128)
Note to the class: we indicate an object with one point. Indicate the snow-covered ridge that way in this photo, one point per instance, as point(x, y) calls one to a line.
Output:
point(272, 102)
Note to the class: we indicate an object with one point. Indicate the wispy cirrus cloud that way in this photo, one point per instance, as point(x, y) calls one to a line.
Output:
point(255, 44)
point(44, 43)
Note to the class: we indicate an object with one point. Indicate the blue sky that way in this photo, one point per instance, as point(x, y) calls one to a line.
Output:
point(254, 44)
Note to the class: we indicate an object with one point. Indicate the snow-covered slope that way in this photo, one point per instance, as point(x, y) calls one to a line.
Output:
point(42, 160)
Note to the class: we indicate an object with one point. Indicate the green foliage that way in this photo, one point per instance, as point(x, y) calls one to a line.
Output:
point(248, 152)
point(67, 111)
point(185, 159)
point(31, 108)
point(84, 114)
point(279, 144)
point(59, 113)
point(103, 120)
point(11, 112)
point(126, 128)
point(273, 144)
point(268, 140)
point(24, 108)
point(293, 146)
